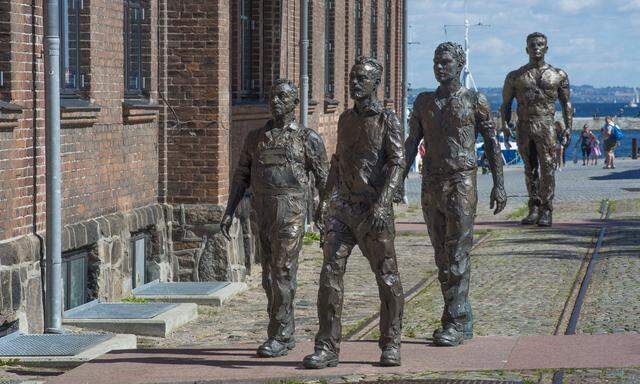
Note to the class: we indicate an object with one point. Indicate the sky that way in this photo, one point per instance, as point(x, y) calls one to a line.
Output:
point(597, 42)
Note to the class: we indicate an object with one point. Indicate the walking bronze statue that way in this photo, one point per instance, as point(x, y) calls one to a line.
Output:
point(275, 163)
point(448, 120)
point(536, 86)
point(365, 172)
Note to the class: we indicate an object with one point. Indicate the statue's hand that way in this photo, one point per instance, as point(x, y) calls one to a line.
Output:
point(319, 220)
point(507, 135)
point(225, 226)
point(379, 218)
point(498, 199)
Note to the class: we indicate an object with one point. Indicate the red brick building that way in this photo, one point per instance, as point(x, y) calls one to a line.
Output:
point(157, 97)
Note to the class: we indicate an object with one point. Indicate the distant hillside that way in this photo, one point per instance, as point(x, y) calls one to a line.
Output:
point(579, 94)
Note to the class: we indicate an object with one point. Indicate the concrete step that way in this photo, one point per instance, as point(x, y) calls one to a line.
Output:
point(160, 325)
point(216, 298)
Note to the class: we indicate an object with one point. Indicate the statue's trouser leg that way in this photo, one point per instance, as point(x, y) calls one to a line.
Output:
point(338, 244)
point(449, 207)
point(544, 137)
point(378, 248)
point(281, 241)
point(529, 154)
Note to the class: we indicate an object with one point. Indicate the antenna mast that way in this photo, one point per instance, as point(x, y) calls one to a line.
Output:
point(467, 77)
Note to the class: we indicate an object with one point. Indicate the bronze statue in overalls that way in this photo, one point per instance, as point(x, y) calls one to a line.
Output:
point(275, 163)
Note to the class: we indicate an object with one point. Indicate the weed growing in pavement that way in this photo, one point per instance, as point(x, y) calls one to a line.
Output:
point(310, 238)
point(518, 213)
point(136, 300)
point(9, 362)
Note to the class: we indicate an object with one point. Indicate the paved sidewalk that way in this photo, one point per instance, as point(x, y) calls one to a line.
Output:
point(237, 363)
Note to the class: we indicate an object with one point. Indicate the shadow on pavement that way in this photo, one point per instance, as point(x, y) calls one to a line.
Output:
point(630, 174)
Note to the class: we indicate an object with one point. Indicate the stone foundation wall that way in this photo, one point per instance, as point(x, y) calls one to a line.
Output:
point(202, 252)
point(20, 284)
point(108, 239)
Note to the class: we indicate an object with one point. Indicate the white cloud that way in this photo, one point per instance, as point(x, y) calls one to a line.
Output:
point(494, 47)
point(630, 5)
point(575, 6)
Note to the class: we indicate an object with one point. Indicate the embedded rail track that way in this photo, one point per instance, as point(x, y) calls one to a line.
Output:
point(371, 322)
point(571, 312)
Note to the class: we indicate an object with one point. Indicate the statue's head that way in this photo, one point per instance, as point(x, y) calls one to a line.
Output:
point(537, 46)
point(284, 97)
point(448, 61)
point(365, 77)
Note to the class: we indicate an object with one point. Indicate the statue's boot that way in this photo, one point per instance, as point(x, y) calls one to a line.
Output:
point(319, 359)
point(275, 348)
point(448, 337)
point(546, 218)
point(532, 217)
point(390, 356)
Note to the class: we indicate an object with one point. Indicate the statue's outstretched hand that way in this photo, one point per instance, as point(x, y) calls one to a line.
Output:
point(225, 226)
point(498, 199)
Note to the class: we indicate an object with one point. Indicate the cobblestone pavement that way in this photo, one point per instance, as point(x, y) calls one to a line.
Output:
point(245, 317)
point(520, 281)
point(521, 278)
point(612, 303)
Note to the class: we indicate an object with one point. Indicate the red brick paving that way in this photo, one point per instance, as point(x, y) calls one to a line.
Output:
point(238, 362)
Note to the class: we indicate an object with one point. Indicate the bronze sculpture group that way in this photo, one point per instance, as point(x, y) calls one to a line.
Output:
point(356, 192)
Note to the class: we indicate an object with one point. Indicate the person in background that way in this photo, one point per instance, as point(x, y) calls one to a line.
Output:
point(560, 141)
point(594, 145)
point(611, 135)
point(584, 141)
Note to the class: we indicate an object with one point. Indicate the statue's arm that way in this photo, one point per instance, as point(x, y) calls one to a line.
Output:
point(487, 129)
point(508, 94)
point(413, 140)
point(394, 158)
point(316, 161)
point(241, 177)
point(564, 96)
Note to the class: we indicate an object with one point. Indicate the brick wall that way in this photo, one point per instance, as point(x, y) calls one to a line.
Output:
point(286, 58)
point(198, 90)
point(21, 152)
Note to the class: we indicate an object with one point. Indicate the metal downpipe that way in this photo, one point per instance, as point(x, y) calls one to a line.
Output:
point(304, 63)
point(53, 293)
point(405, 83)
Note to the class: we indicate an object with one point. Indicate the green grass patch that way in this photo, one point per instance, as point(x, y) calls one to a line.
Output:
point(9, 362)
point(310, 238)
point(518, 213)
point(137, 300)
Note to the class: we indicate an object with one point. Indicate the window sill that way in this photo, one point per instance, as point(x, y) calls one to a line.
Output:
point(139, 111)
point(9, 115)
point(312, 105)
point(78, 112)
point(331, 105)
point(389, 103)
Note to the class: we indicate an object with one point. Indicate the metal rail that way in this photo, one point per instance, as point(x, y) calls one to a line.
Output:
point(372, 321)
point(558, 376)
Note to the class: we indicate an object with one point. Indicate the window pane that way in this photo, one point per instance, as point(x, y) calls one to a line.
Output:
point(78, 271)
point(139, 252)
point(245, 25)
point(69, 54)
point(133, 39)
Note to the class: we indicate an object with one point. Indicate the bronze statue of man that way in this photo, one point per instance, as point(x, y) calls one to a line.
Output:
point(536, 86)
point(448, 120)
point(275, 163)
point(365, 172)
